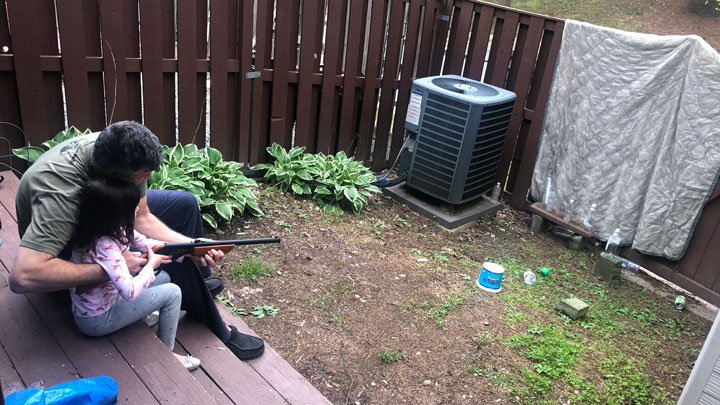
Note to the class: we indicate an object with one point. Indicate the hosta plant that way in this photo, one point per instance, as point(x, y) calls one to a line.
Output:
point(32, 153)
point(289, 172)
point(219, 186)
point(341, 183)
point(336, 182)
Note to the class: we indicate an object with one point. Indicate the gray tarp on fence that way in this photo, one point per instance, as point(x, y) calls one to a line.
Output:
point(632, 125)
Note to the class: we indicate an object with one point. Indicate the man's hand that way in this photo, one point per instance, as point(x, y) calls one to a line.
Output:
point(209, 258)
point(135, 261)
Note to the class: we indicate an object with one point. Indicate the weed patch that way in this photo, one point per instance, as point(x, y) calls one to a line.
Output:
point(251, 268)
point(388, 357)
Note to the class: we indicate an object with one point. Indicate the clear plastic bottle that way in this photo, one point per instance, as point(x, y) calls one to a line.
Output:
point(495, 196)
point(613, 242)
point(529, 277)
point(548, 193)
point(586, 220)
point(566, 215)
point(634, 267)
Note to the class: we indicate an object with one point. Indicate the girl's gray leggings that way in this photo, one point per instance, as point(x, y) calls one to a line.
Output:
point(161, 295)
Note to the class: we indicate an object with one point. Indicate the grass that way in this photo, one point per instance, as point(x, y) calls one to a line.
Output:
point(610, 13)
point(575, 359)
point(563, 352)
point(482, 340)
point(251, 268)
point(451, 302)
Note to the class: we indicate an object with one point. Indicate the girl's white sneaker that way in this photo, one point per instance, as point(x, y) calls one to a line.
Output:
point(191, 363)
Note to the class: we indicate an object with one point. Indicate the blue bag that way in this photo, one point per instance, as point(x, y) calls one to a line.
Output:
point(86, 391)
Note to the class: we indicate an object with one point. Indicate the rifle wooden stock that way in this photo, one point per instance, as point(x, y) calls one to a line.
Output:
point(200, 251)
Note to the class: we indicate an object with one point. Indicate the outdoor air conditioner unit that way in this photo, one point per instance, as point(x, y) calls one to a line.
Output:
point(460, 126)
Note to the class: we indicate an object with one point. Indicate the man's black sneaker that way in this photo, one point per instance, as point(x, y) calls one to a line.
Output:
point(245, 347)
point(215, 285)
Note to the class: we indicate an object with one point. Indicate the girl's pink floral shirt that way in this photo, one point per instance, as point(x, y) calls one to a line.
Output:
point(108, 254)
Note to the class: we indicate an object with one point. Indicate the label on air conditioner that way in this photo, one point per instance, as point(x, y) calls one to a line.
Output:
point(414, 106)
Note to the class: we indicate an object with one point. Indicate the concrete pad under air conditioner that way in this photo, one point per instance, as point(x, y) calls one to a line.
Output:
point(449, 216)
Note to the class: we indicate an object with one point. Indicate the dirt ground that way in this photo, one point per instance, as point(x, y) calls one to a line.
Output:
point(352, 287)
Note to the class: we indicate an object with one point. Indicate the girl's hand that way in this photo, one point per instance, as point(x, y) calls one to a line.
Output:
point(135, 261)
point(155, 260)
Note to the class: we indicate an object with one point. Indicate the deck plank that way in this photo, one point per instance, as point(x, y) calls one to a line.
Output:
point(30, 346)
point(243, 385)
point(11, 381)
point(164, 376)
point(10, 240)
point(90, 356)
point(278, 372)
point(8, 188)
point(9, 378)
point(205, 380)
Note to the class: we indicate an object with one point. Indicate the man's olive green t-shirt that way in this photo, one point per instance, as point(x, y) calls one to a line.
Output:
point(48, 196)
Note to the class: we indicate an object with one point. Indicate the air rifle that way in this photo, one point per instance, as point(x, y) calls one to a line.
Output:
point(199, 247)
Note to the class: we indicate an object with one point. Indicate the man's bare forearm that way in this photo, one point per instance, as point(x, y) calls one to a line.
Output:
point(33, 272)
point(151, 226)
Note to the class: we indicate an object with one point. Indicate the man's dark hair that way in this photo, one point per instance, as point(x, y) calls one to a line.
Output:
point(107, 208)
point(125, 148)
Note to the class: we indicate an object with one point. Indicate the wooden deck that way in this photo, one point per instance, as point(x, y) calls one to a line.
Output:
point(41, 347)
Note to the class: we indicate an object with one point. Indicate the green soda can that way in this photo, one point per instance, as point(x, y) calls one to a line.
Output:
point(680, 302)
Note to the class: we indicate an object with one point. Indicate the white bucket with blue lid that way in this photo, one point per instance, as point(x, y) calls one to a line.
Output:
point(490, 277)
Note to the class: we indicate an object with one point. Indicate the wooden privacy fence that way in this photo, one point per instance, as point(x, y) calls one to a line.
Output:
point(331, 75)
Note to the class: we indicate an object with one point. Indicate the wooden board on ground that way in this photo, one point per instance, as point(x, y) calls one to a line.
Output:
point(557, 217)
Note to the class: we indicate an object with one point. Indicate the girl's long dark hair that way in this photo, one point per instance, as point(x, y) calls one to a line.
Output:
point(107, 208)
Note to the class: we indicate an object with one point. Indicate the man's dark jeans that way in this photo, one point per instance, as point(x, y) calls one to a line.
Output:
point(179, 211)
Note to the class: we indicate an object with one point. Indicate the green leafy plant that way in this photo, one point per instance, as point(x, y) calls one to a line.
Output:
point(235, 310)
point(219, 186)
point(252, 268)
point(392, 356)
point(342, 183)
point(261, 311)
point(289, 172)
point(482, 340)
point(336, 182)
point(32, 153)
point(403, 221)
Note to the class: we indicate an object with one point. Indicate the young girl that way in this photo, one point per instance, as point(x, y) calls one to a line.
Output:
point(105, 230)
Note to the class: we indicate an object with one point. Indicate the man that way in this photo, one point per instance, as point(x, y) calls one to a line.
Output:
point(47, 205)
